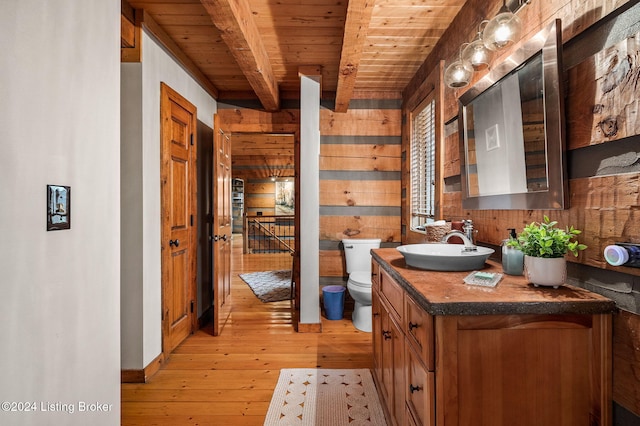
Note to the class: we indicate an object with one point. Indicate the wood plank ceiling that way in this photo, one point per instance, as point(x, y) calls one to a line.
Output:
point(253, 49)
point(262, 155)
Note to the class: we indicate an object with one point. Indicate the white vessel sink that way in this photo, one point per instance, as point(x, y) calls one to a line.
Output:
point(444, 257)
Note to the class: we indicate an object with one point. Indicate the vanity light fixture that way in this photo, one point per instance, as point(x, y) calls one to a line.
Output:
point(500, 32)
point(458, 73)
point(477, 53)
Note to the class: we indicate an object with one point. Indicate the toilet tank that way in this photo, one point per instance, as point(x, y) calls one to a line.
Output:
point(357, 253)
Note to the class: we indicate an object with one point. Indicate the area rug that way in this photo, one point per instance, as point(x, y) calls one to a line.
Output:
point(321, 397)
point(269, 286)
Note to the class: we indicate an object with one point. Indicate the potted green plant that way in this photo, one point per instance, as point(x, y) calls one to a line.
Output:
point(544, 246)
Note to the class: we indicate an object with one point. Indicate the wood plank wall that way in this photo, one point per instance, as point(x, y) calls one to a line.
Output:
point(259, 197)
point(605, 207)
point(359, 179)
point(359, 172)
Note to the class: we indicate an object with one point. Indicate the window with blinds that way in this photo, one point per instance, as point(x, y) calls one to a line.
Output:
point(423, 143)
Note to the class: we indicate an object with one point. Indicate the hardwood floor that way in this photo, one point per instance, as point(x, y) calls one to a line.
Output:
point(227, 380)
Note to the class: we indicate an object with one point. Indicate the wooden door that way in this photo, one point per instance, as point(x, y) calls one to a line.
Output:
point(178, 204)
point(221, 228)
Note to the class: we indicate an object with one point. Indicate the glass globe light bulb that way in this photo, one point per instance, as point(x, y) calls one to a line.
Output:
point(477, 54)
point(503, 30)
point(458, 74)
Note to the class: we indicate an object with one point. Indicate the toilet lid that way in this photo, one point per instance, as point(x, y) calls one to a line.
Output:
point(360, 278)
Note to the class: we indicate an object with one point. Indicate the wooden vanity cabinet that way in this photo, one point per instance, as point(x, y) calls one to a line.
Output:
point(494, 370)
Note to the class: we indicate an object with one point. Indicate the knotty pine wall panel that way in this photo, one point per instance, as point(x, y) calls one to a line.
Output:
point(263, 202)
point(260, 187)
point(259, 196)
point(360, 193)
point(359, 157)
point(360, 154)
point(361, 122)
point(334, 227)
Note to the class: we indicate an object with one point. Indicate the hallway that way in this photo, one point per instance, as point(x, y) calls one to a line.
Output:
point(228, 380)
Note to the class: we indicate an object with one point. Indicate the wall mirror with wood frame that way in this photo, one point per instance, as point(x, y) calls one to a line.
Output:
point(512, 139)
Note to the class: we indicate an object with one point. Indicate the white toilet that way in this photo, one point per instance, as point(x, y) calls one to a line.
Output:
point(358, 257)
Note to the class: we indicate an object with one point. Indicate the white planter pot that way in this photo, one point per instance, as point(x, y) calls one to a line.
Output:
point(545, 272)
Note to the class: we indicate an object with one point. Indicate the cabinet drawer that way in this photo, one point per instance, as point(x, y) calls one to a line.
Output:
point(418, 327)
point(394, 294)
point(420, 390)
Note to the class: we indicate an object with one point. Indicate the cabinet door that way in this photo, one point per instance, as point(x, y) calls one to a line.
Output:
point(409, 417)
point(529, 370)
point(399, 372)
point(393, 373)
point(420, 389)
point(376, 335)
point(386, 358)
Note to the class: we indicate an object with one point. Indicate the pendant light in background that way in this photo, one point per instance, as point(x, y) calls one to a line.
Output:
point(503, 30)
point(458, 73)
point(477, 53)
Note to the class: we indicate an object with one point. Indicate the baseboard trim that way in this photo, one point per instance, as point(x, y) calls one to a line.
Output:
point(206, 318)
point(142, 376)
point(309, 327)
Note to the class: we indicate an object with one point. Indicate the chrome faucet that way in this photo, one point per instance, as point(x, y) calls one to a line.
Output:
point(468, 244)
point(467, 228)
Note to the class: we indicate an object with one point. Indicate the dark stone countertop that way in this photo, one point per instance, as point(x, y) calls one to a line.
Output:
point(445, 293)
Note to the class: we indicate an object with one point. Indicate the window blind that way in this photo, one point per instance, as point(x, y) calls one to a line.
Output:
point(423, 165)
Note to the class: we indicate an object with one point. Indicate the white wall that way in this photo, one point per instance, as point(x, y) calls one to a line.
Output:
point(59, 290)
point(309, 199)
point(141, 279)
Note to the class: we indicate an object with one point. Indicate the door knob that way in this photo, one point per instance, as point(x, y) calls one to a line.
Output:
point(174, 243)
point(224, 237)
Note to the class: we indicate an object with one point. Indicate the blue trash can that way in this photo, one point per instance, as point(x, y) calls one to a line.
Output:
point(333, 299)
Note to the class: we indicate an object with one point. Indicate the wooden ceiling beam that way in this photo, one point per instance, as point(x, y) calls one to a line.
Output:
point(234, 20)
point(355, 33)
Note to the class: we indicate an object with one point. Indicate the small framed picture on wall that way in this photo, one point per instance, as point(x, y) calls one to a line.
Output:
point(58, 207)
